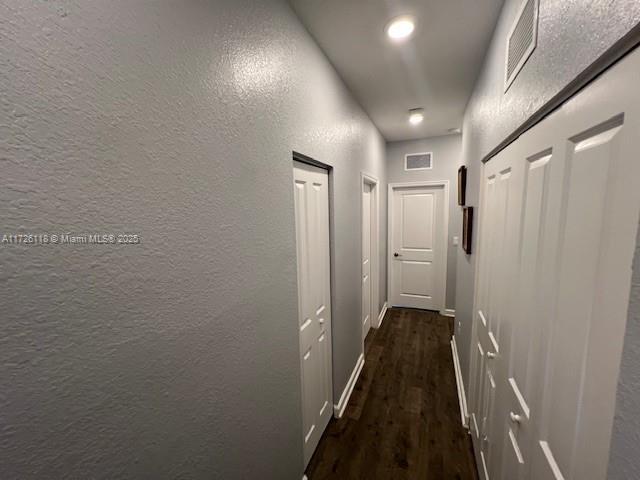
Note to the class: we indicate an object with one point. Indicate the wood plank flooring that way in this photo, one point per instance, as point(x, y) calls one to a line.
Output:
point(403, 418)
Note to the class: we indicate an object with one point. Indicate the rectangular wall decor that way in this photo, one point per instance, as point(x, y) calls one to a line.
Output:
point(467, 229)
point(462, 185)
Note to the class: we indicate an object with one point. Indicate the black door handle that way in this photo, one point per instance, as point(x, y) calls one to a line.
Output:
point(396, 254)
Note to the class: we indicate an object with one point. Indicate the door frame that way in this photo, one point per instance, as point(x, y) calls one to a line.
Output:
point(304, 159)
point(426, 184)
point(374, 269)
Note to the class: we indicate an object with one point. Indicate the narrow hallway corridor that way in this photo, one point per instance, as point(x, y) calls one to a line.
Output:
point(320, 240)
point(403, 419)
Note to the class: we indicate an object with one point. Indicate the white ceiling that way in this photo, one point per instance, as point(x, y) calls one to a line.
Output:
point(435, 69)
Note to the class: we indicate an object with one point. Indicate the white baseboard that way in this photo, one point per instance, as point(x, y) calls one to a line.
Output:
point(448, 312)
point(462, 397)
point(338, 410)
point(382, 314)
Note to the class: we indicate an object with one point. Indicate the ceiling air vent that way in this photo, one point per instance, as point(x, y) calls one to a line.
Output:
point(521, 41)
point(418, 161)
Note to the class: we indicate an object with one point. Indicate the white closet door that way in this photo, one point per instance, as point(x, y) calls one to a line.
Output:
point(366, 259)
point(522, 378)
point(594, 231)
point(314, 300)
point(502, 181)
point(553, 286)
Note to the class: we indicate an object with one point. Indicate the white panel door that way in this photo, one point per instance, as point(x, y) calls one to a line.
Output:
point(367, 311)
point(555, 303)
point(524, 368)
point(314, 300)
point(595, 232)
point(418, 242)
point(499, 249)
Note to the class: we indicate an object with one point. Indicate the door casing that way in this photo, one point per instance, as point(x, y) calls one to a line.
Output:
point(374, 268)
point(300, 160)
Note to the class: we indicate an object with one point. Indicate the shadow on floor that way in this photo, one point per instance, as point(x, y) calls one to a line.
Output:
point(403, 418)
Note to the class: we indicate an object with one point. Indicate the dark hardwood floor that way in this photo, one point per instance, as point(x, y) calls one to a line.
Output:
point(403, 418)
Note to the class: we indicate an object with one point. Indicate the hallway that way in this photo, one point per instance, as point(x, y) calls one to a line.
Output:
point(303, 239)
point(403, 418)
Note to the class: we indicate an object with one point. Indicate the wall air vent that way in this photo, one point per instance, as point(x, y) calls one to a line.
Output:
point(418, 161)
point(521, 41)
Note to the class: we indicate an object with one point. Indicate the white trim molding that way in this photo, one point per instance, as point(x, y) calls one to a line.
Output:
point(338, 410)
point(383, 312)
point(462, 397)
point(448, 312)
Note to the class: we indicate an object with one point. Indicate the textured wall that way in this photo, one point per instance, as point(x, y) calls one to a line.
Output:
point(572, 34)
point(446, 161)
point(176, 358)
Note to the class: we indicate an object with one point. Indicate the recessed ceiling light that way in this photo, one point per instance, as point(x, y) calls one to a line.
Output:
point(416, 116)
point(401, 27)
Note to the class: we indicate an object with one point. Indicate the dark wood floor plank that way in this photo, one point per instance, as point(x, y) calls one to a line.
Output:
point(403, 419)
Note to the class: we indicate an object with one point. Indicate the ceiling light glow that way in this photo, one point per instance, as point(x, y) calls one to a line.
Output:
point(416, 116)
point(400, 28)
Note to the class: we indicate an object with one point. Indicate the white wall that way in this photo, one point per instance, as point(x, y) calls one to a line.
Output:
point(446, 161)
point(572, 34)
point(176, 358)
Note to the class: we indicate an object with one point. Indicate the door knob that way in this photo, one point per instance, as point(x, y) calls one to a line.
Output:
point(491, 355)
point(515, 418)
point(396, 254)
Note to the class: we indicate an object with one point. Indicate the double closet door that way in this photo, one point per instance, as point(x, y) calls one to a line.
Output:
point(559, 217)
